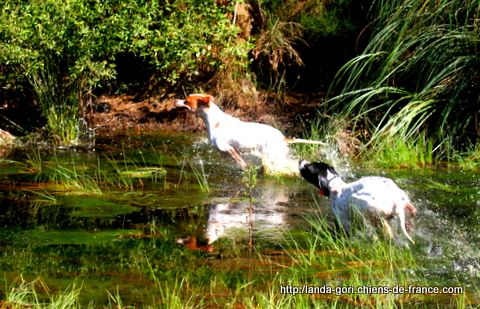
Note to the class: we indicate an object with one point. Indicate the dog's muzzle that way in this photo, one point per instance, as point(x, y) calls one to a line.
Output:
point(180, 103)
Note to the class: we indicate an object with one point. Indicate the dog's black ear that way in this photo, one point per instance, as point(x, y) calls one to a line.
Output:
point(331, 169)
point(309, 172)
point(319, 174)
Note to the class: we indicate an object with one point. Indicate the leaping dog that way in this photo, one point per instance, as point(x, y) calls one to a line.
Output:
point(232, 135)
point(373, 195)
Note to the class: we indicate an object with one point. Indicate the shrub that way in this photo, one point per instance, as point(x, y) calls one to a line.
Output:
point(63, 50)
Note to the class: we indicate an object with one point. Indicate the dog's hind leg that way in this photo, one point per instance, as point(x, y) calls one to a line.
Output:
point(226, 147)
point(387, 228)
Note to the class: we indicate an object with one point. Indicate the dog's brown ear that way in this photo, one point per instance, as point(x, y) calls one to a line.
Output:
point(205, 100)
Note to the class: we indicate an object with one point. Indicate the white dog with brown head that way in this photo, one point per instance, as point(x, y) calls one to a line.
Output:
point(233, 136)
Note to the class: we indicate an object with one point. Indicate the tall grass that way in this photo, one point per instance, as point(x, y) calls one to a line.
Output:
point(23, 294)
point(249, 180)
point(201, 176)
point(58, 102)
point(418, 74)
point(276, 46)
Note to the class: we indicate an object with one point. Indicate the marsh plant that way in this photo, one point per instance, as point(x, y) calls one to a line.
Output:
point(249, 180)
point(415, 80)
point(23, 294)
point(200, 175)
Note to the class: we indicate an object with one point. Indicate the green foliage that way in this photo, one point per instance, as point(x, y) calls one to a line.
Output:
point(315, 17)
point(417, 74)
point(65, 49)
point(52, 46)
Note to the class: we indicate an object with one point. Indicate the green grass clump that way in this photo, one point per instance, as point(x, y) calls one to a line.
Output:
point(23, 294)
point(401, 153)
point(416, 76)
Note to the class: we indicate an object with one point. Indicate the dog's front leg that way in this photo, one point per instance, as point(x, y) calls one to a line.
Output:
point(236, 156)
point(342, 216)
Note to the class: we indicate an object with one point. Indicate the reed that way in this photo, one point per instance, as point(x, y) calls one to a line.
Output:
point(416, 75)
point(23, 294)
point(249, 180)
point(201, 176)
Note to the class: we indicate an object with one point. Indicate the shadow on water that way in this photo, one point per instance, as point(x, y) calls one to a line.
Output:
point(103, 217)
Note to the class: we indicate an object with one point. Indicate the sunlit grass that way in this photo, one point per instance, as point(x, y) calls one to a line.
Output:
point(80, 177)
point(401, 153)
point(23, 294)
point(200, 175)
point(414, 80)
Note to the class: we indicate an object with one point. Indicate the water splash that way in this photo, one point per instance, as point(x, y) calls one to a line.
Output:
point(447, 244)
point(341, 163)
point(86, 135)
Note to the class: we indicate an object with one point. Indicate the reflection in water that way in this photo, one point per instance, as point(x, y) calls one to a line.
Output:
point(269, 215)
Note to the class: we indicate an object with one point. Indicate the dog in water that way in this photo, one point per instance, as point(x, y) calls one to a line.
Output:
point(376, 197)
point(233, 136)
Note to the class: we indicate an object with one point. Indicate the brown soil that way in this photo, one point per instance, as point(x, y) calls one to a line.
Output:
point(112, 115)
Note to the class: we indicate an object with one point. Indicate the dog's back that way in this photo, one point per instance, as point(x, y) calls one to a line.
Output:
point(232, 135)
point(248, 135)
point(381, 196)
point(378, 192)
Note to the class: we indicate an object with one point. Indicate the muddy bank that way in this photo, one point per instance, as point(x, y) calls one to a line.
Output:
point(6, 142)
point(113, 115)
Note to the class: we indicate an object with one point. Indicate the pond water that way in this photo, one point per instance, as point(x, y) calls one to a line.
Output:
point(95, 217)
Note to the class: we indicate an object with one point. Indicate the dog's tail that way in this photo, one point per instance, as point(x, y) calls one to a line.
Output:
point(304, 141)
point(412, 210)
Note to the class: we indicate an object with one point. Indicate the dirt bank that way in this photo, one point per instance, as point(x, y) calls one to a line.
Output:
point(112, 115)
